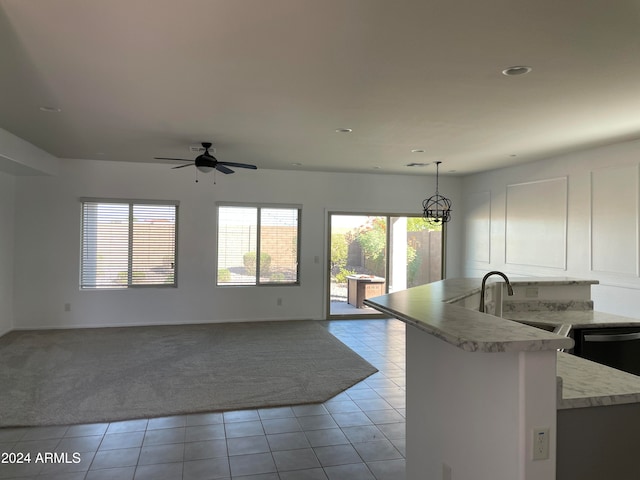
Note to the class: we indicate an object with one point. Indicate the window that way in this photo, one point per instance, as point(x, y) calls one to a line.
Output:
point(127, 244)
point(248, 233)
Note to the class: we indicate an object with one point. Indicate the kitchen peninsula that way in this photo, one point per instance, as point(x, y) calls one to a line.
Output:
point(480, 388)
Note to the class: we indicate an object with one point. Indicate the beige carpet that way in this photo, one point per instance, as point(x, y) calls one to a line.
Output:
point(57, 377)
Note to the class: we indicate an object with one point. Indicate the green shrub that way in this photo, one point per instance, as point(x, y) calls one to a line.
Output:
point(373, 240)
point(224, 275)
point(123, 277)
point(341, 276)
point(249, 260)
point(339, 250)
point(414, 261)
point(277, 277)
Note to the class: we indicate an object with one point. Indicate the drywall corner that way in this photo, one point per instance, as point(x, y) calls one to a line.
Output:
point(19, 157)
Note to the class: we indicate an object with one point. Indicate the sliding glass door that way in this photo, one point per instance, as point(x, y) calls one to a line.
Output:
point(370, 255)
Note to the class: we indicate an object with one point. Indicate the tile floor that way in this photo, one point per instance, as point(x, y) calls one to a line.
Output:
point(359, 434)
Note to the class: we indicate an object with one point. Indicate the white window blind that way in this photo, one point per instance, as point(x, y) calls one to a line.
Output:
point(258, 245)
point(128, 244)
point(237, 245)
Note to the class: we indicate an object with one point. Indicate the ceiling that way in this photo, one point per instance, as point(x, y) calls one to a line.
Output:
point(269, 81)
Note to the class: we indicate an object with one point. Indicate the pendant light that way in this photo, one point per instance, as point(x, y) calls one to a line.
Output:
point(436, 209)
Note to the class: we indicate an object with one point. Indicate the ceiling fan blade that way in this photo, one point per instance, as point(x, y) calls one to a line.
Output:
point(182, 166)
point(178, 159)
point(239, 165)
point(223, 169)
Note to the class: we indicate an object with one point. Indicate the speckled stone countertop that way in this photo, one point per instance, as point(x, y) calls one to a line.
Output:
point(575, 318)
point(583, 383)
point(428, 307)
point(527, 281)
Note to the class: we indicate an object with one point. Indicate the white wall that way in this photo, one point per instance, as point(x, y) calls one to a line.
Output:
point(575, 215)
point(475, 412)
point(47, 240)
point(19, 157)
point(7, 192)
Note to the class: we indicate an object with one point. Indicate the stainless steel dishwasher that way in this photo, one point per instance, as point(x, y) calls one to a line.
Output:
point(616, 347)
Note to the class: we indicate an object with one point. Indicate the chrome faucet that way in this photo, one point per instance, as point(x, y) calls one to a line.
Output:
point(484, 281)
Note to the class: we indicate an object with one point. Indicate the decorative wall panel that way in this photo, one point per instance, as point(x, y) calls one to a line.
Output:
point(614, 220)
point(478, 227)
point(536, 223)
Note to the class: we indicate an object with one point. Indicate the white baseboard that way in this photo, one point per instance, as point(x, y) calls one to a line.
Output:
point(147, 324)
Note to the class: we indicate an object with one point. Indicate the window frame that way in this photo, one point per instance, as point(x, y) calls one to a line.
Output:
point(130, 254)
point(259, 207)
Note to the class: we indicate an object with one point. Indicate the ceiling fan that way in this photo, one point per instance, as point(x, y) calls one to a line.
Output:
point(207, 162)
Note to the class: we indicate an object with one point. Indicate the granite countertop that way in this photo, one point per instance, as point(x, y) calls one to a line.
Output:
point(583, 383)
point(428, 308)
point(532, 281)
point(575, 318)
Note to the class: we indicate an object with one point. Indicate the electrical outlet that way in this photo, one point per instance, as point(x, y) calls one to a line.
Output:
point(446, 472)
point(541, 443)
point(67, 307)
point(279, 302)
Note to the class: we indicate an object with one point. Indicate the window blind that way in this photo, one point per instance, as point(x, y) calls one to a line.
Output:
point(128, 244)
point(237, 245)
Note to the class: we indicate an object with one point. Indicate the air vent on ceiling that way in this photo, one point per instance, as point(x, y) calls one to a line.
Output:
point(417, 164)
point(200, 149)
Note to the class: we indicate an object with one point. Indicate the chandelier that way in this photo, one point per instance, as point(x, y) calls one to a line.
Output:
point(436, 209)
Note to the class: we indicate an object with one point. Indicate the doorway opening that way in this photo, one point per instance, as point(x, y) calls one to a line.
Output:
point(374, 254)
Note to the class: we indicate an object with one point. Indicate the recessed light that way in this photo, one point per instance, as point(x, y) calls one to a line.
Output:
point(516, 70)
point(344, 130)
point(50, 109)
point(377, 167)
point(417, 150)
point(296, 164)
